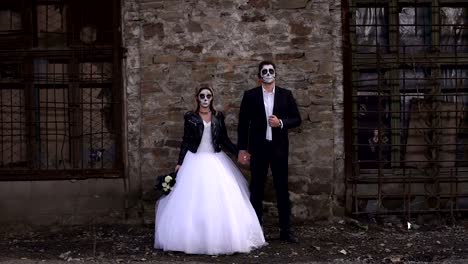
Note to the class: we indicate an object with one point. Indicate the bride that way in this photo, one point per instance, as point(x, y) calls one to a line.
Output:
point(208, 211)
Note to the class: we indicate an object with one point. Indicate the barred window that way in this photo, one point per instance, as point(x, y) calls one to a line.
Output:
point(60, 89)
point(408, 99)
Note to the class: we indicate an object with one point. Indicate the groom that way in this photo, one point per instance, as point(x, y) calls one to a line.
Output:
point(266, 114)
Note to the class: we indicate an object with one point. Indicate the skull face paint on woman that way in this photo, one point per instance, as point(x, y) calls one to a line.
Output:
point(204, 98)
point(267, 73)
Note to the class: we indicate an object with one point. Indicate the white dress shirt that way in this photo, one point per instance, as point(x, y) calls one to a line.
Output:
point(268, 102)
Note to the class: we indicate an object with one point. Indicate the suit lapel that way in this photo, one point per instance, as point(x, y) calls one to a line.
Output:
point(276, 101)
point(260, 102)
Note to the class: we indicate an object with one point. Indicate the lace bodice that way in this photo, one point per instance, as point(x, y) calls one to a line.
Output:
point(206, 144)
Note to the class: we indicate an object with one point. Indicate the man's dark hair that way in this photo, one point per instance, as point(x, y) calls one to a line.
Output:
point(263, 63)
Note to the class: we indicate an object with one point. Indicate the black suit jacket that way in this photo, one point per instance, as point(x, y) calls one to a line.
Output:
point(253, 121)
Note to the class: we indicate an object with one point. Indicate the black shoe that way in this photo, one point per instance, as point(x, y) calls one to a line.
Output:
point(289, 237)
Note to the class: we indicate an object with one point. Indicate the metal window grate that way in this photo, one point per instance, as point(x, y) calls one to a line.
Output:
point(407, 102)
point(60, 95)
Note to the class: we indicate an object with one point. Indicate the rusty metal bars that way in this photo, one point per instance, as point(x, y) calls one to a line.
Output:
point(409, 90)
point(60, 102)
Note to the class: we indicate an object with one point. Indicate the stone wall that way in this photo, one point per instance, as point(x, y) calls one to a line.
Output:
point(175, 46)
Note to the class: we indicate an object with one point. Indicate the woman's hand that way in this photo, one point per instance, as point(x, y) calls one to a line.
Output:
point(243, 157)
point(177, 168)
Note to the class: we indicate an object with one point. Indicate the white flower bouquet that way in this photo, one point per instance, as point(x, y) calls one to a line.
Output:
point(166, 182)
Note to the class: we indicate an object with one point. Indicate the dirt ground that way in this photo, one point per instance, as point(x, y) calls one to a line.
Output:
point(341, 240)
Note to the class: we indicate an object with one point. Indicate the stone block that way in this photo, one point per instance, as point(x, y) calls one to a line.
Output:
point(258, 4)
point(299, 28)
point(194, 27)
point(300, 41)
point(319, 206)
point(194, 48)
point(254, 17)
point(164, 59)
point(289, 56)
point(131, 16)
point(169, 16)
point(152, 30)
point(300, 212)
point(151, 5)
point(289, 4)
point(319, 188)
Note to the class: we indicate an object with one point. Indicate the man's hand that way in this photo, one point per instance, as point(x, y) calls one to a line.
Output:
point(243, 157)
point(273, 121)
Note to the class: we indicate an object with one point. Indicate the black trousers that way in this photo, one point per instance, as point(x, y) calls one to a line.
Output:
point(278, 163)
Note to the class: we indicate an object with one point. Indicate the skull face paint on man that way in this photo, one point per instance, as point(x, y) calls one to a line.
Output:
point(204, 98)
point(267, 73)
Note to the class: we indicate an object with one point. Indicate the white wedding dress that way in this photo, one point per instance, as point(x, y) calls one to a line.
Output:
point(208, 211)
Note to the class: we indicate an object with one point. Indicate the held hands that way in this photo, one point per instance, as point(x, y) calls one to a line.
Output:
point(273, 121)
point(243, 157)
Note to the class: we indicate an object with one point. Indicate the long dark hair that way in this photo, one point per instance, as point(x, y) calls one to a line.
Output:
point(213, 111)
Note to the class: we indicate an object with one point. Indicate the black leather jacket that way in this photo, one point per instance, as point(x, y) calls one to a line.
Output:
point(193, 131)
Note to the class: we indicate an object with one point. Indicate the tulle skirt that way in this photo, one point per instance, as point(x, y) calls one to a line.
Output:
point(208, 211)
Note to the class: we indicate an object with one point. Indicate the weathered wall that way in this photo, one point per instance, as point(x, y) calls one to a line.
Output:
point(62, 202)
point(173, 47)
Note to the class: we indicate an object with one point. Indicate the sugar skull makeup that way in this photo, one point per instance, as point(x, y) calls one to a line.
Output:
point(205, 97)
point(267, 73)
